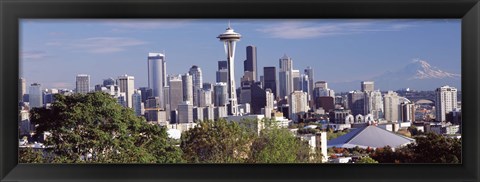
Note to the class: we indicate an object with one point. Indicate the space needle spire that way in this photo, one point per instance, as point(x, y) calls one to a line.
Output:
point(229, 38)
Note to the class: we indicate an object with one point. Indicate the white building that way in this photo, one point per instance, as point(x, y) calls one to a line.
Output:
point(126, 85)
point(285, 79)
point(445, 101)
point(187, 86)
point(392, 106)
point(196, 73)
point(82, 83)
point(298, 102)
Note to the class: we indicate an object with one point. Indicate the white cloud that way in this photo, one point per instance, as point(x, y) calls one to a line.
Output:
point(34, 54)
point(305, 29)
point(105, 44)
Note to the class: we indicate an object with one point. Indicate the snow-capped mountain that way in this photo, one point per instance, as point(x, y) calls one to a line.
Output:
point(418, 75)
point(423, 70)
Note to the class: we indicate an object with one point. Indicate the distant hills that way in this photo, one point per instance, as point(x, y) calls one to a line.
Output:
point(417, 75)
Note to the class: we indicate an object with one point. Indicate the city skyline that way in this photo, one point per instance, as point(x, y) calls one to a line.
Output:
point(118, 47)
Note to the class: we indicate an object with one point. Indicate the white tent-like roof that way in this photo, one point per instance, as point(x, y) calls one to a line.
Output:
point(369, 136)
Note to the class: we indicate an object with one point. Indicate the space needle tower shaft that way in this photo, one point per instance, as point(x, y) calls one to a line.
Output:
point(229, 38)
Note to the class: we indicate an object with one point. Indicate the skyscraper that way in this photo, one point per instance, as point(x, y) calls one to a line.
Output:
point(22, 89)
point(109, 81)
point(392, 106)
point(250, 64)
point(187, 88)
point(375, 100)
point(146, 93)
point(298, 104)
point(309, 72)
point(445, 101)
point(222, 65)
point(196, 73)
point(220, 94)
point(270, 79)
point(258, 99)
point(229, 38)
point(157, 75)
point(137, 102)
point(82, 83)
point(185, 112)
point(297, 84)
point(176, 91)
point(356, 102)
point(367, 86)
point(285, 76)
point(126, 84)
point(35, 95)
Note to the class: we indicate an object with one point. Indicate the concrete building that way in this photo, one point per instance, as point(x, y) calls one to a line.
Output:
point(310, 74)
point(375, 101)
point(35, 95)
point(392, 106)
point(185, 112)
point(126, 84)
point(196, 73)
point(298, 104)
point(82, 83)
point(285, 78)
point(269, 103)
point(176, 91)
point(187, 88)
point(445, 101)
point(356, 102)
point(367, 86)
point(22, 89)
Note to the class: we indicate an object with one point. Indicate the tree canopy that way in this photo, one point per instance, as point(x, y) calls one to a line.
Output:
point(94, 128)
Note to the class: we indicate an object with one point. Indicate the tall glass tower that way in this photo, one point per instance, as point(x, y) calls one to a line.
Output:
point(157, 76)
point(229, 38)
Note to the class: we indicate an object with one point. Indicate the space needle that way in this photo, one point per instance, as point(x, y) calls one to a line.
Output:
point(229, 38)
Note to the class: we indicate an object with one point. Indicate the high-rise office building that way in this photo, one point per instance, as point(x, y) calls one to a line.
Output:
point(391, 103)
point(185, 112)
point(207, 86)
point(258, 98)
point(285, 78)
point(157, 75)
point(356, 102)
point(222, 75)
point(269, 103)
point(367, 86)
point(35, 95)
point(375, 101)
point(146, 93)
point(298, 104)
point(187, 87)
point(154, 111)
point(229, 38)
point(205, 98)
point(82, 83)
point(270, 79)
point(137, 102)
point(407, 112)
point(445, 101)
point(126, 84)
point(176, 91)
point(305, 84)
point(309, 72)
point(22, 89)
point(250, 64)
point(297, 82)
point(196, 73)
point(222, 65)
point(220, 94)
point(109, 81)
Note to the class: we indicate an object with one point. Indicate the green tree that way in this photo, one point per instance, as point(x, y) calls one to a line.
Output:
point(434, 148)
point(94, 128)
point(278, 145)
point(29, 155)
point(367, 160)
point(217, 142)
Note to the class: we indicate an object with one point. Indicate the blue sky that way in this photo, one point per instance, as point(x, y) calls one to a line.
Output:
point(53, 52)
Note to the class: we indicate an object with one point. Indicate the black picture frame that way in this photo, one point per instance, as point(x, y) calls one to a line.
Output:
point(11, 11)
